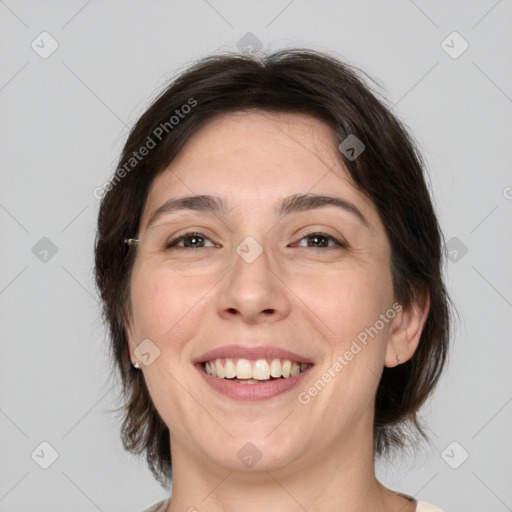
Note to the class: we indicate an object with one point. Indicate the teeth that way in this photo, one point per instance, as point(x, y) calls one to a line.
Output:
point(275, 368)
point(286, 368)
point(220, 369)
point(295, 369)
point(261, 370)
point(243, 369)
point(253, 371)
point(229, 369)
point(248, 381)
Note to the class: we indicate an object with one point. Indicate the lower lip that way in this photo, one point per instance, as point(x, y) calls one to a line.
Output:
point(252, 392)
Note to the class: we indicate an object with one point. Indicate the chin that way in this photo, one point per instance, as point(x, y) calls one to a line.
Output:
point(251, 454)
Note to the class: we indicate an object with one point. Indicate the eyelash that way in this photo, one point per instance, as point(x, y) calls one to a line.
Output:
point(172, 243)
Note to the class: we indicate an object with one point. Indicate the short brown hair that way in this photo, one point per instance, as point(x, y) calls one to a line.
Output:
point(390, 172)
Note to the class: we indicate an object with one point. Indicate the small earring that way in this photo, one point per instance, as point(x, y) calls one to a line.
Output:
point(136, 365)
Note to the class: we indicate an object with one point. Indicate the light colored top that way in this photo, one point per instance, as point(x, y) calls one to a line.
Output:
point(158, 507)
point(421, 506)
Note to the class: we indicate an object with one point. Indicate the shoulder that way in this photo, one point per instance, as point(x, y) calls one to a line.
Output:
point(423, 506)
point(158, 507)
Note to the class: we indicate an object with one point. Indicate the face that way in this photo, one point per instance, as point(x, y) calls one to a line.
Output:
point(292, 298)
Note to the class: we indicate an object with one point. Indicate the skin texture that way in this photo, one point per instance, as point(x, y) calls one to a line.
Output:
point(311, 300)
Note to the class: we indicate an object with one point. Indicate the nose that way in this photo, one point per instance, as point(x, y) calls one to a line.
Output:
point(253, 291)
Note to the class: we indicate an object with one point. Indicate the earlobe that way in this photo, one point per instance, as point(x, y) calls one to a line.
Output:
point(131, 347)
point(405, 332)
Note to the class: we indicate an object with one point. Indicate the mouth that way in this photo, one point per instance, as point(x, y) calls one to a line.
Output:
point(246, 371)
point(252, 373)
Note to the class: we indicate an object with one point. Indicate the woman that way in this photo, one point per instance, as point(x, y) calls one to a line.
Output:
point(269, 263)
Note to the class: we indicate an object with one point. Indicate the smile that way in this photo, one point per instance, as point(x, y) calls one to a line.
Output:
point(245, 371)
point(269, 371)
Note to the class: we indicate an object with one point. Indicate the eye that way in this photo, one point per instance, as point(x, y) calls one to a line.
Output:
point(195, 240)
point(190, 240)
point(321, 240)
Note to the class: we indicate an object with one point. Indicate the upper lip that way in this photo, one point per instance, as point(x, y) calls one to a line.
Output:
point(252, 353)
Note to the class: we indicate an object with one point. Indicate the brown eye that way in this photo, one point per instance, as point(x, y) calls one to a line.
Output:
point(321, 241)
point(190, 241)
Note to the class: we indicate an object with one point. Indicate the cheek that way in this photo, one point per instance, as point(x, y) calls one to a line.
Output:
point(162, 300)
point(165, 309)
point(357, 313)
point(349, 306)
point(348, 302)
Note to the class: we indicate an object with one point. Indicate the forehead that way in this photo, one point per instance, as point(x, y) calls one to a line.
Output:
point(254, 159)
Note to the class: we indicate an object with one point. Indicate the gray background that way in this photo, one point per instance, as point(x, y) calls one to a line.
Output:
point(64, 120)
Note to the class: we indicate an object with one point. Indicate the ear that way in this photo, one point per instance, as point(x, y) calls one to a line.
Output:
point(405, 333)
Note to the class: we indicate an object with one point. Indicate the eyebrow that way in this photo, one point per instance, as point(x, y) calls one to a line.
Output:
point(292, 204)
point(306, 202)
